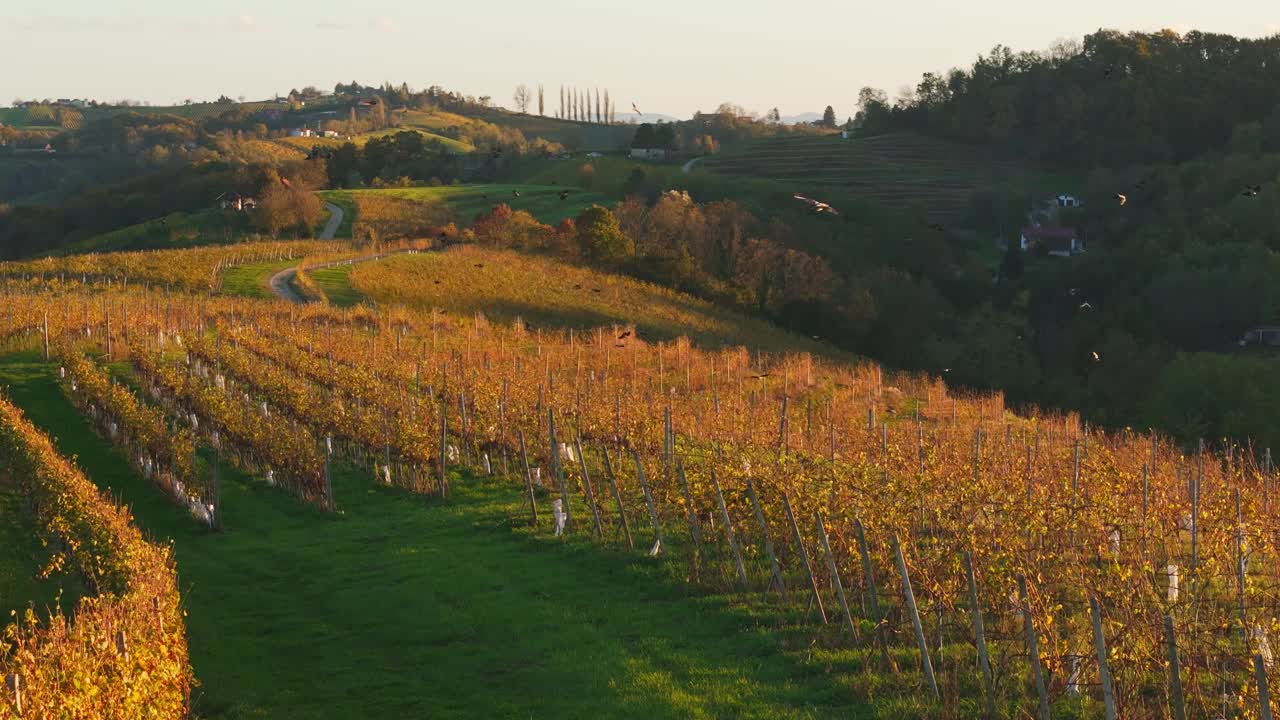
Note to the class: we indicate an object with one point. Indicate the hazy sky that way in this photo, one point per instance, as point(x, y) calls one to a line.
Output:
point(667, 56)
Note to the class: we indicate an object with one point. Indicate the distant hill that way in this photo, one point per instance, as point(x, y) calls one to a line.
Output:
point(808, 117)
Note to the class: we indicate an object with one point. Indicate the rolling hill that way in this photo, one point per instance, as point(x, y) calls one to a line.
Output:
point(466, 201)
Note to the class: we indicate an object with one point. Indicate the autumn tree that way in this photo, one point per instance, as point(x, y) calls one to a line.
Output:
point(541, 100)
point(522, 97)
point(600, 238)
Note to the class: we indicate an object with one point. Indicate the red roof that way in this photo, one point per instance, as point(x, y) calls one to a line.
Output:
point(1048, 233)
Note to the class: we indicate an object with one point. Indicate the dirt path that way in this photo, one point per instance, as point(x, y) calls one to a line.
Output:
point(281, 283)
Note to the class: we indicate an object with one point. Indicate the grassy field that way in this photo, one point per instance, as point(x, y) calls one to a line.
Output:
point(898, 170)
point(250, 280)
point(306, 143)
point(466, 201)
point(336, 284)
point(400, 608)
point(578, 136)
point(562, 296)
point(178, 230)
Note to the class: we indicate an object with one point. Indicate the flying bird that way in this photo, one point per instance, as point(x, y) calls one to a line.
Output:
point(437, 282)
point(1121, 198)
point(1085, 305)
point(564, 194)
point(761, 376)
point(1109, 69)
point(479, 265)
point(816, 204)
point(515, 193)
point(633, 107)
point(595, 290)
point(1252, 190)
point(625, 335)
point(1096, 356)
point(577, 287)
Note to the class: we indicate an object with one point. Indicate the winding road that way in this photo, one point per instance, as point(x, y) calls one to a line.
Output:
point(281, 283)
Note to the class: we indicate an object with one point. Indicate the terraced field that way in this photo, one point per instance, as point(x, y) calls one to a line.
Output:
point(466, 201)
point(898, 170)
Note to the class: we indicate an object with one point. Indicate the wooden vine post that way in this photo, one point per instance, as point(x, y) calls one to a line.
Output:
point(1175, 675)
point(528, 478)
point(835, 575)
point(804, 558)
point(1033, 647)
point(728, 532)
point(916, 625)
point(980, 637)
point(1104, 670)
point(873, 598)
point(13, 682)
point(695, 531)
point(557, 471)
point(648, 501)
point(1264, 693)
point(442, 466)
point(617, 497)
point(774, 567)
point(586, 481)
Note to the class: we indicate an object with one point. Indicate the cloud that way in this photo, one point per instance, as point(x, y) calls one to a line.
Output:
point(384, 24)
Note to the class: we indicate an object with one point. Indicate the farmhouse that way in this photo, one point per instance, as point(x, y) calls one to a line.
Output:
point(331, 133)
point(1070, 201)
point(236, 201)
point(1056, 241)
point(302, 132)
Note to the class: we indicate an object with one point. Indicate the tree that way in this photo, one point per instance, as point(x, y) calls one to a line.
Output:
point(608, 108)
point(562, 115)
point(773, 116)
point(522, 98)
point(600, 238)
point(599, 117)
point(829, 117)
point(542, 107)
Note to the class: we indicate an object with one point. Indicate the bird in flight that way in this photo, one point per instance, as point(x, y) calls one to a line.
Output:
point(437, 282)
point(1109, 69)
point(1121, 198)
point(625, 335)
point(595, 290)
point(633, 107)
point(577, 287)
point(515, 193)
point(1096, 356)
point(564, 194)
point(479, 265)
point(816, 204)
point(1085, 305)
point(761, 376)
point(1252, 190)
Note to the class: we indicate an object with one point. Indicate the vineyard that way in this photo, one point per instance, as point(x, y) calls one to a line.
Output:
point(980, 563)
point(898, 170)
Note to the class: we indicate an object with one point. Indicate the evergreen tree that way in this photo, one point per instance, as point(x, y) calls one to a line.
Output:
point(541, 100)
point(829, 117)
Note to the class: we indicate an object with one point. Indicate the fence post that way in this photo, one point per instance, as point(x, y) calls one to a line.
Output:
point(1033, 647)
point(873, 597)
point(1175, 678)
point(617, 496)
point(14, 682)
point(328, 477)
point(804, 557)
point(1264, 694)
point(775, 568)
point(528, 477)
point(980, 637)
point(1104, 670)
point(835, 575)
point(915, 617)
point(653, 510)
point(728, 532)
point(444, 448)
point(556, 470)
point(586, 481)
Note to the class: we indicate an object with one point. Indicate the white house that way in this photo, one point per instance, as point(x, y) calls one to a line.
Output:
point(236, 201)
point(1057, 241)
point(302, 132)
point(331, 133)
point(648, 154)
point(1068, 201)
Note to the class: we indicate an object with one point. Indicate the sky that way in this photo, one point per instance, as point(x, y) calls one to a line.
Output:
point(666, 56)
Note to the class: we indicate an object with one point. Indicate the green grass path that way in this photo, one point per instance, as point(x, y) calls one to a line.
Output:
point(404, 608)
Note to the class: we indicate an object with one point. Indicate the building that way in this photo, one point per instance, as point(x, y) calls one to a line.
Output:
point(648, 154)
point(302, 132)
point(1262, 335)
point(1068, 201)
point(236, 201)
point(331, 133)
point(1056, 241)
